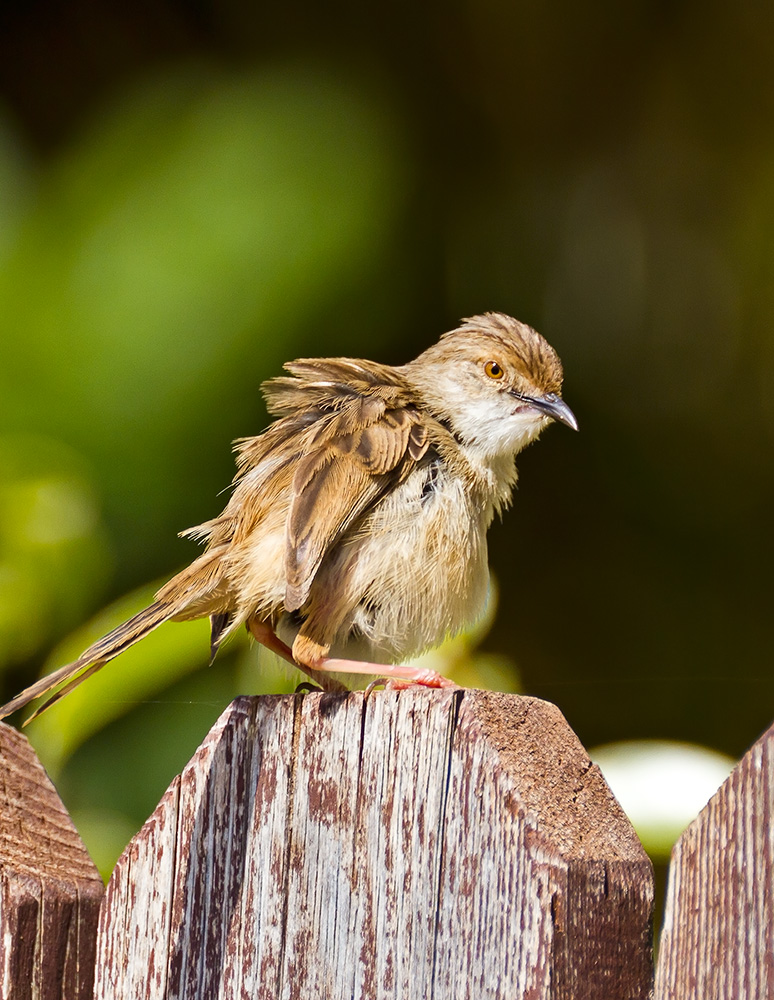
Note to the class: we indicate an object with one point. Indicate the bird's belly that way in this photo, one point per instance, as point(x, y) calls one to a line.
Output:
point(413, 574)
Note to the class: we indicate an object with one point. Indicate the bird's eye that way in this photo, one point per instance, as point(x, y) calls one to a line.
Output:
point(493, 370)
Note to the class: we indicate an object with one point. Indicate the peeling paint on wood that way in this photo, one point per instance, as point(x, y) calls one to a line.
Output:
point(418, 844)
point(718, 936)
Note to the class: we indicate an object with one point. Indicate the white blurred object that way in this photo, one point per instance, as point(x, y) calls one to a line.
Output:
point(661, 785)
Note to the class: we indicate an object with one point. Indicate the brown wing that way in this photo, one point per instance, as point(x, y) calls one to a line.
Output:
point(367, 436)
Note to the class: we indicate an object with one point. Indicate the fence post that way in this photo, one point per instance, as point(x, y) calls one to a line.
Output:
point(50, 890)
point(415, 844)
point(718, 934)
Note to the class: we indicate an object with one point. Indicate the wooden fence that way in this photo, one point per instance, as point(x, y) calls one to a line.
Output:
point(420, 844)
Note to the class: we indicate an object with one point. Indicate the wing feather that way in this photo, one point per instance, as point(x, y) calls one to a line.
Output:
point(368, 436)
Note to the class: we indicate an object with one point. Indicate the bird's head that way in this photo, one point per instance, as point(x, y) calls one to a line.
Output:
point(494, 382)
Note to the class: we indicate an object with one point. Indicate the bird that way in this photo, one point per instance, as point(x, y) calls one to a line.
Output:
point(355, 537)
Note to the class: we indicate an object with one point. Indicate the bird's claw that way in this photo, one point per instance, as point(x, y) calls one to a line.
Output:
point(306, 687)
point(431, 679)
point(423, 678)
point(375, 683)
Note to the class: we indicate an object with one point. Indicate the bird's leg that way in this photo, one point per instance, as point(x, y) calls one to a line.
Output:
point(309, 657)
point(397, 675)
point(267, 637)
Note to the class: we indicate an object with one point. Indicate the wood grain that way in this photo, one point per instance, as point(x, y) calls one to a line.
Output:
point(717, 941)
point(414, 845)
point(50, 890)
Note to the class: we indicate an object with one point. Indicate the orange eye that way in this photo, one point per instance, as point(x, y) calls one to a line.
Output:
point(493, 370)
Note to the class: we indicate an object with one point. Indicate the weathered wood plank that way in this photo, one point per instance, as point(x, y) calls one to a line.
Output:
point(50, 890)
point(717, 941)
point(417, 844)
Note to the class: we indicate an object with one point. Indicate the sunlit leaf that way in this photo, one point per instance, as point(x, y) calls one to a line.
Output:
point(53, 550)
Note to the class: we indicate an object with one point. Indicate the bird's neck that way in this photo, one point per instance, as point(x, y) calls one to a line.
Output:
point(489, 478)
point(494, 476)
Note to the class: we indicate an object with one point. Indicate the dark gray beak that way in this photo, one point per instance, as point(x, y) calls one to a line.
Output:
point(554, 407)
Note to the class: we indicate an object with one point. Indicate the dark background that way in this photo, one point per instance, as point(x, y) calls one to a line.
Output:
point(192, 193)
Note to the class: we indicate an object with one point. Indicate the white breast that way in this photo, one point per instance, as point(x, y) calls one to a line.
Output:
point(415, 572)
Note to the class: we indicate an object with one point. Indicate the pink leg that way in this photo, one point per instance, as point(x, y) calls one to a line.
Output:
point(265, 634)
point(399, 675)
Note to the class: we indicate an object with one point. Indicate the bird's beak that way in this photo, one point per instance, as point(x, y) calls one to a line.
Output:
point(554, 407)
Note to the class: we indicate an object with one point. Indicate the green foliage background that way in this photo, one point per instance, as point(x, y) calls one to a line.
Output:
point(192, 194)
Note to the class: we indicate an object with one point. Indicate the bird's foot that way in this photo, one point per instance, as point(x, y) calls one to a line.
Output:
point(425, 678)
point(394, 676)
point(432, 680)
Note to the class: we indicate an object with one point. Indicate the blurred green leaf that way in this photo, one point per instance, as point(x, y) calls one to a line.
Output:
point(53, 550)
point(105, 834)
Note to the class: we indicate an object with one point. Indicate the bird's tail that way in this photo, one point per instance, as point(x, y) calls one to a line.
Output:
point(185, 595)
point(92, 659)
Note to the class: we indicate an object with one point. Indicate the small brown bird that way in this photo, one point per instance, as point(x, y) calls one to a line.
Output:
point(355, 537)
